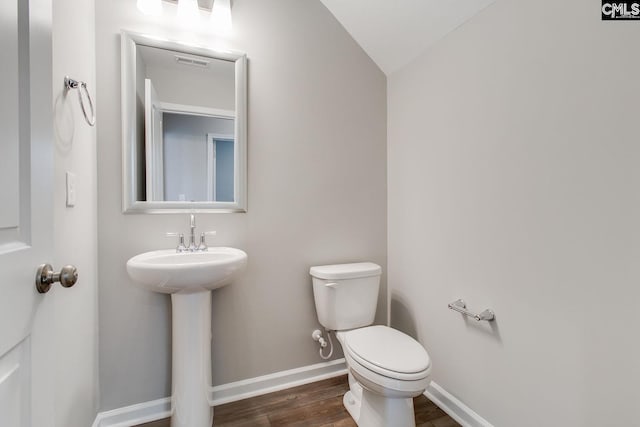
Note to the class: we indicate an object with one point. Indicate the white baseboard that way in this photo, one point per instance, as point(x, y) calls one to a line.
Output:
point(454, 407)
point(135, 414)
point(277, 381)
point(161, 408)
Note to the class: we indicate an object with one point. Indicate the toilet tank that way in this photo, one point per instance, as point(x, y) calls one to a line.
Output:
point(346, 295)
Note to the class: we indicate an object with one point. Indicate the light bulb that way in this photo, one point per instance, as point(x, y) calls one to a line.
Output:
point(221, 16)
point(188, 11)
point(150, 7)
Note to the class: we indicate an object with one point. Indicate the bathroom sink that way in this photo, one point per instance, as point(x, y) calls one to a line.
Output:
point(189, 277)
point(170, 272)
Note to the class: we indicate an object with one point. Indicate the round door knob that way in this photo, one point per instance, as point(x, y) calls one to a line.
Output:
point(45, 277)
point(68, 276)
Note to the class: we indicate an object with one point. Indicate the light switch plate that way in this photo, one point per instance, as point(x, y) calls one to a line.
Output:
point(71, 189)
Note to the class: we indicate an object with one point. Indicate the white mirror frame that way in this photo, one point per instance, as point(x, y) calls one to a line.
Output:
point(129, 40)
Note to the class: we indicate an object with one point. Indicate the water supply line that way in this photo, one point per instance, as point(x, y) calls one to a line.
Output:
point(317, 336)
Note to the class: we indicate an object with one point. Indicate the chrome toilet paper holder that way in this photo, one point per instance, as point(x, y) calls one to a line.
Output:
point(461, 307)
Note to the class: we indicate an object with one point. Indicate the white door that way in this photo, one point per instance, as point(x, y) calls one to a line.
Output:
point(26, 166)
point(153, 146)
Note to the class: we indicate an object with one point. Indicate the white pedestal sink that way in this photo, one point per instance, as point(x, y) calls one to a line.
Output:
point(189, 277)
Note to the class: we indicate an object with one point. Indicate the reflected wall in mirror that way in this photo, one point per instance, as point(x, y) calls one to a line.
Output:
point(184, 127)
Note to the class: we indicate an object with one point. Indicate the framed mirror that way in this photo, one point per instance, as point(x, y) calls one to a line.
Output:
point(184, 127)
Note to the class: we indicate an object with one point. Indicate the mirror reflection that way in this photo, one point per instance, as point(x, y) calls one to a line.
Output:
point(185, 113)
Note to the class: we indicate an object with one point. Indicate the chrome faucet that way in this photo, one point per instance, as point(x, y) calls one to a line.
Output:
point(192, 237)
point(193, 247)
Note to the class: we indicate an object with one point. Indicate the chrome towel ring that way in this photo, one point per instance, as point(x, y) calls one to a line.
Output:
point(70, 83)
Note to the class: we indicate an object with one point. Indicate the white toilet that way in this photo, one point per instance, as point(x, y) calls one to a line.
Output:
point(386, 367)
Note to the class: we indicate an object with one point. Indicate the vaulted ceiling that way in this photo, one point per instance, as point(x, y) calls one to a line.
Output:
point(394, 32)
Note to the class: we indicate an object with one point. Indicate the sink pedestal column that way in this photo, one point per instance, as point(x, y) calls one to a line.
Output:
point(191, 367)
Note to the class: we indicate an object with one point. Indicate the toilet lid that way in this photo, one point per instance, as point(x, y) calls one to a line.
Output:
point(388, 349)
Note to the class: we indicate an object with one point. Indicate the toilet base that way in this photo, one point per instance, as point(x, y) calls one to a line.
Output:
point(353, 398)
point(370, 409)
point(353, 405)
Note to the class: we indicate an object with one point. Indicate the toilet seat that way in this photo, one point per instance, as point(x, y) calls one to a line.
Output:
point(388, 352)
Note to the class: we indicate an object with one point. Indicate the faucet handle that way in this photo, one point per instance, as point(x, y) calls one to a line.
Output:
point(203, 244)
point(181, 246)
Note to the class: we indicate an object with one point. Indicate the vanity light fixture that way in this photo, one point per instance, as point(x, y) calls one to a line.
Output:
point(221, 16)
point(150, 7)
point(188, 11)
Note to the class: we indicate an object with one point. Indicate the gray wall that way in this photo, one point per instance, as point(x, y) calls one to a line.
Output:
point(74, 360)
point(317, 195)
point(189, 87)
point(185, 154)
point(513, 183)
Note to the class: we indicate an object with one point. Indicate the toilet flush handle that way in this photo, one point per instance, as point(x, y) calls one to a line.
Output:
point(331, 285)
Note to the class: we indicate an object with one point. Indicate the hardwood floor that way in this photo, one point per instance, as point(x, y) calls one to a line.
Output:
point(312, 405)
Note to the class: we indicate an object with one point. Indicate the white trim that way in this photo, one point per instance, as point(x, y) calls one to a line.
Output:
point(153, 143)
point(277, 381)
point(135, 414)
point(211, 162)
point(195, 110)
point(223, 136)
point(231, 392)
point(211, 168)
point(457, 410)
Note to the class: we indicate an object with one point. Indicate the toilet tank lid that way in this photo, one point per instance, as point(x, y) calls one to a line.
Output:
point(346, 271)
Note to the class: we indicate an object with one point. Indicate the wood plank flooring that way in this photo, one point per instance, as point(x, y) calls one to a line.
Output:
point(312, 405)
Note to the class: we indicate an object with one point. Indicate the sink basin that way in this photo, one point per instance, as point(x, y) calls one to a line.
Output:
point(170, 272)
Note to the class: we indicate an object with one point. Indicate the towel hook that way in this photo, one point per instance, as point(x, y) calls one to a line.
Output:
point(70, 83)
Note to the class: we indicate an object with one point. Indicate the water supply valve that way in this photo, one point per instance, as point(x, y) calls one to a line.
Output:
point(317, 336)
